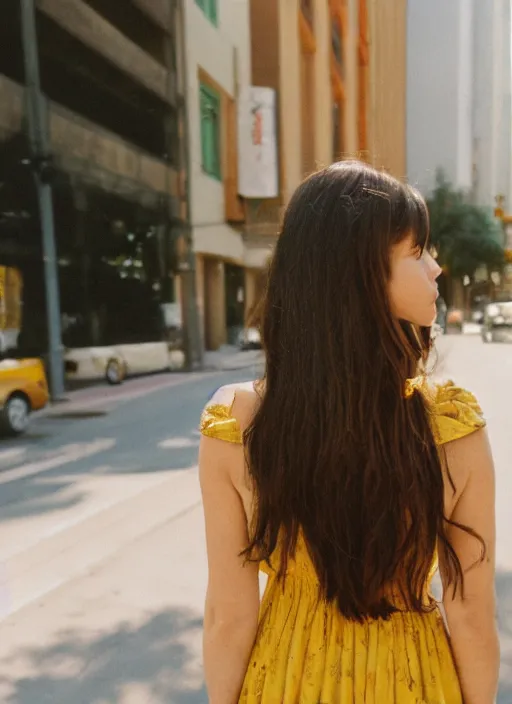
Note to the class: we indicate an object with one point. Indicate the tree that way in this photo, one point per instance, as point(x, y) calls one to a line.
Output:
point(466, 236)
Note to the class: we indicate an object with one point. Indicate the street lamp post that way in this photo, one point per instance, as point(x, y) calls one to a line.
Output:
point(194, 353)
point(41, 163)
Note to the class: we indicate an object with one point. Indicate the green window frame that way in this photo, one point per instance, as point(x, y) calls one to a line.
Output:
point(209, 7)
point(210, 112)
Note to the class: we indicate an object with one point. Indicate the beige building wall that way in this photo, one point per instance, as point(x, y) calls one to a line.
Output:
point(299, 62)
point(289, 97)
point(384, 77)
point(388, 85)
point(323, 98)
point(351, 79)
point(294, 100)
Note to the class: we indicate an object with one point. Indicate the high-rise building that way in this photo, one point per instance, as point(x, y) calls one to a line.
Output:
point(458, 96)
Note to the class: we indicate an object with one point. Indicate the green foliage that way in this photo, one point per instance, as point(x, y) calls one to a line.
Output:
point(466, 236)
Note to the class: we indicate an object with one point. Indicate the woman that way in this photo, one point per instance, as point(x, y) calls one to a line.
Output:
point(344, 474)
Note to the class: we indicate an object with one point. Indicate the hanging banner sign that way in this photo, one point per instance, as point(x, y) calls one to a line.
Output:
point(257, 144)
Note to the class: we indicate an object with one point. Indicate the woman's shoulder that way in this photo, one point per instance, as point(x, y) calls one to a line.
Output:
point(455, 411)
point(229, 412)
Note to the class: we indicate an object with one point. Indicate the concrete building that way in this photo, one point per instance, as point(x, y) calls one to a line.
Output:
point(458, 96)
point(218, 67)
point(114, 113)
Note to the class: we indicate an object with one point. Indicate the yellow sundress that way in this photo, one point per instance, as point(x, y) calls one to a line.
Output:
point(306, 652)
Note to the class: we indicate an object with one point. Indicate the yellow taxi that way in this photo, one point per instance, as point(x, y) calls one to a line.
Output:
point(23, 389)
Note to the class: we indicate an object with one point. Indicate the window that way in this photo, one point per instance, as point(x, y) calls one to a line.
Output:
point(209, 7)
point(337, 45)
point(210, 130)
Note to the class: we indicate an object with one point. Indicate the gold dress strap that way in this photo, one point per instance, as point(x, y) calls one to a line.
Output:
point(217, 422)
point(456, 413)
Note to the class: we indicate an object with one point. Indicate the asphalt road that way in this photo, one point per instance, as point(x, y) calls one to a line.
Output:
point(102, 565)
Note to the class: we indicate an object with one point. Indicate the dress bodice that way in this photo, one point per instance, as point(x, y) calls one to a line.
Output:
point(454, 411)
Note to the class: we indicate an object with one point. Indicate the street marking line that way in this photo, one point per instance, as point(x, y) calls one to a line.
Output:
point(72, 453)
point(177, 443)
point(12, 453)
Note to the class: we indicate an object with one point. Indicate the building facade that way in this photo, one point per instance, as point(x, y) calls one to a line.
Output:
point(458, 96)
point(339, 91)
point(218, 68)
point(338, 69)
point(307, 50)
point(114, 115)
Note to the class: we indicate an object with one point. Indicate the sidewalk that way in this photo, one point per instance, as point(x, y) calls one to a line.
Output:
point(230, 358)
point(126, 631)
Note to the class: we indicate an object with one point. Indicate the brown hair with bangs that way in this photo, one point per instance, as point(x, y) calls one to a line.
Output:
point(335, 451)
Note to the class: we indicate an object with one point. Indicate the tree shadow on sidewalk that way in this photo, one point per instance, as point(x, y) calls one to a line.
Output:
point(155, 663)
point(152, 663)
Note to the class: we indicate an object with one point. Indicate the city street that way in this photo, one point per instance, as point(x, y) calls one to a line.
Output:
point(101, 540)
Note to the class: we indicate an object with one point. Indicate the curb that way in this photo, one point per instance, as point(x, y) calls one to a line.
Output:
point(98, 398)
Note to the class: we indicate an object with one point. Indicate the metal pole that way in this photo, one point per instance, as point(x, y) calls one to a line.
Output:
point(37, 130)
point(193, 338)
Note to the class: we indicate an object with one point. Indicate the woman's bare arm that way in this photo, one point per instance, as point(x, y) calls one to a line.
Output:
point(472, 619)
point(232, 602)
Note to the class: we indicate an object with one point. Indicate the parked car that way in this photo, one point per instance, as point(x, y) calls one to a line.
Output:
point(115, 363)
point(249, 339)
point(23, 389)
point(497, 322)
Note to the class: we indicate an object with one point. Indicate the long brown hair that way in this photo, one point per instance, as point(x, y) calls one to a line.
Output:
point(335, 450)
